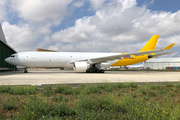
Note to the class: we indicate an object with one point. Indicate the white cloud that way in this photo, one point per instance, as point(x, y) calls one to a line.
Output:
point(162, 23)
point(107, 27)
point(27, 37)
point(3, 9)
point(118, 27)
point(75, 34)
point(168, 40)
point(36, 18)
point(23, 37)
point(19, 37)
point(78, 4)
point(97, 3)
point(41, 10)
point(127, 4)
point(45, 43)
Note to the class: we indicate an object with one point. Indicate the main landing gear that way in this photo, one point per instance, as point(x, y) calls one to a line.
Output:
point(94, 70)
point(25, 70)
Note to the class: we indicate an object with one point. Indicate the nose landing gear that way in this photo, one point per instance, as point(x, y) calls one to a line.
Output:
point(25, 70)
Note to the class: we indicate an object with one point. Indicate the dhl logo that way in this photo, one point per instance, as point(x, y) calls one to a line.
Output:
point(129, 58)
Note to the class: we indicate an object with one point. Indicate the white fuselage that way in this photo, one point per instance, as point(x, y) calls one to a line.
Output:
point(54, 59)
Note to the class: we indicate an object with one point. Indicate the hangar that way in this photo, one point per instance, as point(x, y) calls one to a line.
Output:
point(163, 63)
point(5, 51)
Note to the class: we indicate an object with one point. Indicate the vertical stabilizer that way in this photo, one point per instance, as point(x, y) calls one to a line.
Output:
point(151, 44)
point(2, 38)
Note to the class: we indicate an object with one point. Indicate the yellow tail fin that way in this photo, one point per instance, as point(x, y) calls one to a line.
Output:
point(151, 44)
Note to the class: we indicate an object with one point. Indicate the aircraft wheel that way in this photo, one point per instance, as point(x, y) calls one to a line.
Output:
point(25, 71)
point(92, 71)
point(96, 71)
point(102, 71)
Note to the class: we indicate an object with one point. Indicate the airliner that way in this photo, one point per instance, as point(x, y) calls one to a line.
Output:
point(86, 61)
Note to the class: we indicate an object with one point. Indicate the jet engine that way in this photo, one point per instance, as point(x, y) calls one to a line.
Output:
point(79, 66)
point(151, 55)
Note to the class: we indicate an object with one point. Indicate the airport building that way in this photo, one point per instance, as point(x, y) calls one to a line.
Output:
point(5, 51)
point(163, 63)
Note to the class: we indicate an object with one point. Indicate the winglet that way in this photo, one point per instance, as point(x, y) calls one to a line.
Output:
point(169, 46)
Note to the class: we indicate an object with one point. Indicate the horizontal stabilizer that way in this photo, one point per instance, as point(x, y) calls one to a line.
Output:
point(169, 46)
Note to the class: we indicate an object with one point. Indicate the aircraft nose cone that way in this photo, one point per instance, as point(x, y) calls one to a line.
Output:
point(7, 60)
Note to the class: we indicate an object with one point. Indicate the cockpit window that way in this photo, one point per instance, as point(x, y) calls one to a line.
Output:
point(12, 56)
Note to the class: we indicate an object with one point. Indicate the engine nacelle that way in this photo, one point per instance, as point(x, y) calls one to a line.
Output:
point(81, 66)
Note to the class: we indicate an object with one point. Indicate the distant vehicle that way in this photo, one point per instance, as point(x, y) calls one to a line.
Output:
point(86, 61)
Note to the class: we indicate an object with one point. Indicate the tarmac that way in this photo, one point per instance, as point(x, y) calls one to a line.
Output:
point(56, 76)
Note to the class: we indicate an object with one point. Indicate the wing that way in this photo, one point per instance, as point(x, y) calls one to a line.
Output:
point(156, 55)
point(120, 56)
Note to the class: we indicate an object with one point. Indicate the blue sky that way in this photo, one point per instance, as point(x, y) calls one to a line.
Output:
point(90, 25)
point(161, 5)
